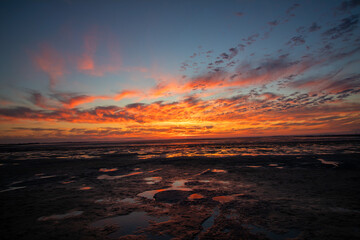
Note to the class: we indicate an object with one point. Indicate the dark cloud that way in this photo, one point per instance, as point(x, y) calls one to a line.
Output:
point(348, 5)
point(19, 112)
point(135, 105)
point(241, 47)
point(292, 8)
point(347, 25)
point(239, 14)
point(233, 52)
point(228, 56)
point(251, 39)
point(296, 41)
point(340, 85)
point(274, 23)
point(314, 27)
point(38, 129)
point(38, 99)
point(300, 30)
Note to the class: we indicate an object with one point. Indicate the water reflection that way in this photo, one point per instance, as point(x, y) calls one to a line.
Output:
point(226, 199)
point(272, 235)
point(335, 164)
point(188, 148)
point(130, 224)
point(107, 177)
point(195, 196)
point(12, 189)
point(152, 180)
point(178, 185)
point(209, 222)
point(61, 216)
point(108, 169)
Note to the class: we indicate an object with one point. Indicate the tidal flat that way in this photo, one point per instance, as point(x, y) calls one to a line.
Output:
point(51, 192)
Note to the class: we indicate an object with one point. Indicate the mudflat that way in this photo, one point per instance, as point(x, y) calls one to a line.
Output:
point(119, 196)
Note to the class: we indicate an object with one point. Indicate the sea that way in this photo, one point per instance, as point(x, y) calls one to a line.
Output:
point(224, 147)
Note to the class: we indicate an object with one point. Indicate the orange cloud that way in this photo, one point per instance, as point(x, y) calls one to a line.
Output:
point(78, 100)
point(126, 93)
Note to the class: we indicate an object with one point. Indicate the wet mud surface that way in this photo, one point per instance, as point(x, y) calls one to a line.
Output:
point(234, 197)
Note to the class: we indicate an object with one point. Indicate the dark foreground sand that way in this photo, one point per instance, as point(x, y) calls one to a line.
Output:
point(252, 197)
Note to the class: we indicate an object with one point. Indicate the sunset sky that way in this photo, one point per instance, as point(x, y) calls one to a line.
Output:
point(118, 70)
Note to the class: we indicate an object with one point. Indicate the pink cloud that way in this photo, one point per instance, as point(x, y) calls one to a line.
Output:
point(87, 62)
point(51, 62)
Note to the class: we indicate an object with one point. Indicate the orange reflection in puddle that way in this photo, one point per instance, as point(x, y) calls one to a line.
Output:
point(107, 177)
point(108, 169)
point(85, 188)
point(67, 182)
point(226, 199)
point(150, 194)
point(195, 196)
point(211, 170)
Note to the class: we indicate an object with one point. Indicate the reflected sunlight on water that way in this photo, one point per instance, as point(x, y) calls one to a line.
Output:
point(188, 148)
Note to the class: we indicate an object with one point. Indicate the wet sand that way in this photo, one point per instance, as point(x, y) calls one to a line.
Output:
point(237, 197)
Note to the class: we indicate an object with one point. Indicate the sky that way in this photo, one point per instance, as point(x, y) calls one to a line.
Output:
point(149, 69)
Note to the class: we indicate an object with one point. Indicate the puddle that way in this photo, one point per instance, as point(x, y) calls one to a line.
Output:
point(208, 223)
point(108, 169)
point(343, 210)
point(152, 180)
point(211, 170)
point(218, 171)
point(108, 177)
point(61, 216)
point(271, 235)
point(115, 200)
point(273, 165)
point(128, 200)
point(85, 188)
point(130, 224)
point(155, 170)
point(150, 194)
point(67, 182)
point(178, 185)
point(171, 196)
point(49, 176)
point(335, 164)
point(200, 173)
point(12, 189)
point(226, 199)
point(86, 156)
point(16, 182)
point(254, 166)
point(195, 196)
point(205, 181)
